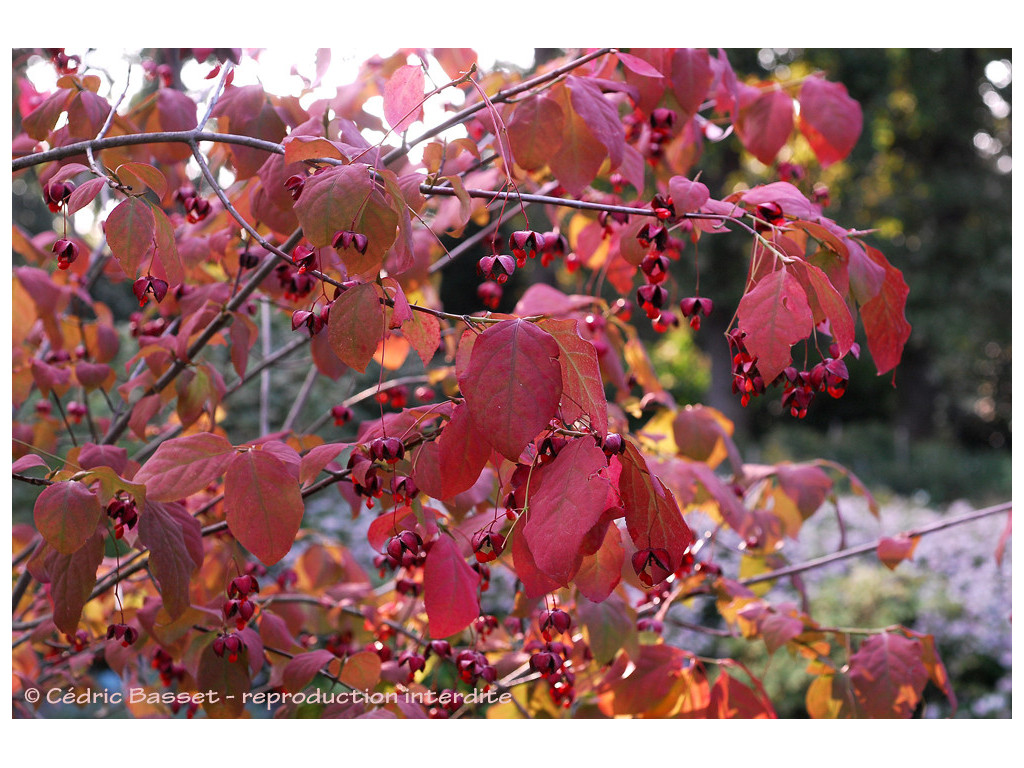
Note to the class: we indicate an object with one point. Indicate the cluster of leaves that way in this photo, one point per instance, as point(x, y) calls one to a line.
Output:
point(544, 455)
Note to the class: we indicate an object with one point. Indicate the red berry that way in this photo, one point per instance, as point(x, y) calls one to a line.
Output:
point(66, 252)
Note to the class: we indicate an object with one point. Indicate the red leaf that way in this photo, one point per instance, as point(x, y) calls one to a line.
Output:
point(130, 229)
point(66, 514)
point(184, 465)
point(829, 119)
point(765, 122)
point(513, 384)
point(774, 315)
point(884, 317)
point(601, 572)
point(691, 78)
point(356, 325)
point(449, 589)
point(582, 386)
point(535, 582)
point(228, 679)
point(72, 578)
point(175, 542)
point(888, 675)
point(303, 667)
point(731, 699)
point(453, 462)
point(567, 498)
point(893, 551)
point(317, 459)
point(826, 304)
point(262, 504)
point(403, 95)
point(652, 517)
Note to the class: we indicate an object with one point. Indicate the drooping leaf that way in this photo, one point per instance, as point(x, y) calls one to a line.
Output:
point(356, 325)
point(806, 484)
point(66, 514)
point(130, 229)
point(582, 386)
point(653, 519)
point(884, 316)
point(185, 465)
point(600, 115)
point(567, 498)
point(449, 589)
point(888, 675)
point(262, 504)
point(581, 154)
point(765, 121)
point(535, 582)
point(600, 572)
point(453, 462)
point(535, 132)
point(830, 120)
point(513, 384)
point(175, 542)
point(774, 315)
point(72, 578)
point(826, 304)
point(691, 77)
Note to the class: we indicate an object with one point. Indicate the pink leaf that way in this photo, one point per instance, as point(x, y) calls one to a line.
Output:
point(185, 465)
point(303, 667)
point(829, 119)
point(72, 578)
point(567, 498)
point(687, 196)
point(402, 96)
